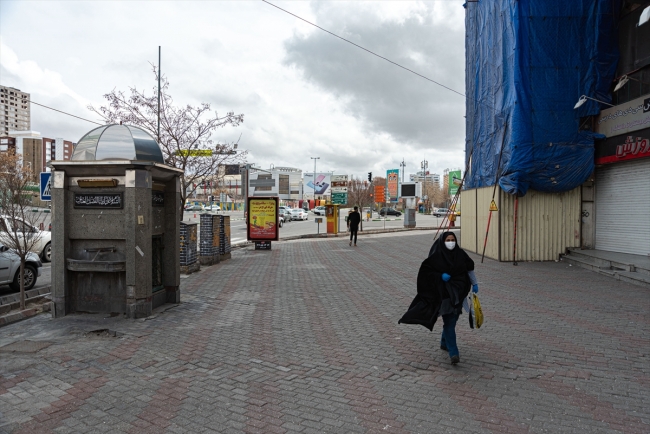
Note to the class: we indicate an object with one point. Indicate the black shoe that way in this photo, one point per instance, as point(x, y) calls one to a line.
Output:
point(455, 360)
point(443, 348)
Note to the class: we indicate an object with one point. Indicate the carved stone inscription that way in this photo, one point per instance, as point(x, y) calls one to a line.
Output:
point(98, 200)
point(157, 198)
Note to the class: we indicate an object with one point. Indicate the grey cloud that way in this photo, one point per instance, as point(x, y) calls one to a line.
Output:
point(384, 97)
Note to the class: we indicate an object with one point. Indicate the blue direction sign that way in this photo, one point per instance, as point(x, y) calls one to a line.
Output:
point(46, 186)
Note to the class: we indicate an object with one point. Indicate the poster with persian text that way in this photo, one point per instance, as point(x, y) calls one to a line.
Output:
point(262, 219)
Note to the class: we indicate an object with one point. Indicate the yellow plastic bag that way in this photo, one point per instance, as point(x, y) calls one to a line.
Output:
point(478, 313)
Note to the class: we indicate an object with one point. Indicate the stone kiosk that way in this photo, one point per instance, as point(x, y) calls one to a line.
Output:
point(115, 225)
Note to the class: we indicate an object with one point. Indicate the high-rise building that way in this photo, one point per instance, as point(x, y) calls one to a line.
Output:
point(14, 110)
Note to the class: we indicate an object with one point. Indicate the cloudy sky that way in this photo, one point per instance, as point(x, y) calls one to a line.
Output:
point(304, 93)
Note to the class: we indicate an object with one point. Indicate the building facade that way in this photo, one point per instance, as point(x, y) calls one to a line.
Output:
point(14, 110)
point(530, 137)
point(287, 183)
point(56, 149)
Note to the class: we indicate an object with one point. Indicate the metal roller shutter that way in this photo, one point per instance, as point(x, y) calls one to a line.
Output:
point(623, 207)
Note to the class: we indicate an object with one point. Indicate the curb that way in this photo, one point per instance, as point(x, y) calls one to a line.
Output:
point(24, 314)
point(366, 232)
point(12, 301)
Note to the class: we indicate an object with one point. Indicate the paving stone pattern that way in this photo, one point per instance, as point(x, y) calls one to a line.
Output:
point(304, 339)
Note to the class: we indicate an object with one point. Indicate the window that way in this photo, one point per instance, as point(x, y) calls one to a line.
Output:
point(264, 176)
point(284, 184)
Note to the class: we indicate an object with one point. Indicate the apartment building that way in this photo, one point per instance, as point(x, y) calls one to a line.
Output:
point(56, 149)
point(37, 151)
point(14, 110)
point(33, 156)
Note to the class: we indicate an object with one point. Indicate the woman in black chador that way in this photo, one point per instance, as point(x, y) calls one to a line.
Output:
point(444, 280)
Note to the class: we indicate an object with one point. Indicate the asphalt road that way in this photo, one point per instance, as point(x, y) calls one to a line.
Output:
point(309, 226)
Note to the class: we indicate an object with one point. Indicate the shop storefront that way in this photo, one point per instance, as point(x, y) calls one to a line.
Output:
point(622, 179)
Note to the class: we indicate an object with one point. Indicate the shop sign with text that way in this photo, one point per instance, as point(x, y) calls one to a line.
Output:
point(623, 148)
point(625, 118)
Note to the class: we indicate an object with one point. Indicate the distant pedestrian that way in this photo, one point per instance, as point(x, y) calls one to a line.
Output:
point(354, 218)
point(444, 281)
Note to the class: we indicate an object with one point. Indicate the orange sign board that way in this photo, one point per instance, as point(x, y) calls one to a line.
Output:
point(380, 193)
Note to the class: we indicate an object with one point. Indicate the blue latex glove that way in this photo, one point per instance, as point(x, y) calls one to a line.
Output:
point(445, 277)
point(475, 288)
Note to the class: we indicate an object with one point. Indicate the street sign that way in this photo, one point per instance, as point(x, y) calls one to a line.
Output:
point(339, 198)
point(380, 194)
point(339, 178)
point(46, 186)
point(339, 190)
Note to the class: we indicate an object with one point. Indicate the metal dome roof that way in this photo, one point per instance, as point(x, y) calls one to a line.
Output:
point(118, 142)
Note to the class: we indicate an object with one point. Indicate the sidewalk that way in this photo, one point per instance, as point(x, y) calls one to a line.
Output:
point(304, 338)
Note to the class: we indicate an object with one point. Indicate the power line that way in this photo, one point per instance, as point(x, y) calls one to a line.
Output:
point(74, 116)
point(365, 49)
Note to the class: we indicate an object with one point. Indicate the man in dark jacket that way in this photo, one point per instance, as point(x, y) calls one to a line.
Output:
point(353, 224)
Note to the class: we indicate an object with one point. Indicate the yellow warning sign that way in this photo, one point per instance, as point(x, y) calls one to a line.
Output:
point(493, 206)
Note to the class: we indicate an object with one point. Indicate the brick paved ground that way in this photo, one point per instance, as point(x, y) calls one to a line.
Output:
point(305, 339)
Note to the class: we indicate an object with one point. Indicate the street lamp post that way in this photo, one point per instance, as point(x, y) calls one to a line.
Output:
point(314, 182)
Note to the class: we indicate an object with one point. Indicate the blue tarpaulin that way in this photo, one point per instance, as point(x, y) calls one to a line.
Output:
point(527, 64)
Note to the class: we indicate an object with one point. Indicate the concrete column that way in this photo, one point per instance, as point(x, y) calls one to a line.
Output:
point(138, 221)
point(171, 253)
point(60, 246)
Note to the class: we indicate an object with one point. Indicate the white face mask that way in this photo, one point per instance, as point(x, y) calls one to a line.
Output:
point(450, 244)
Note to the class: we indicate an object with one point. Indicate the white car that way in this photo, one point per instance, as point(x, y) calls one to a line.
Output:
point(43, 244)
point(10, 269)
point(299, 214)
point(319, 210)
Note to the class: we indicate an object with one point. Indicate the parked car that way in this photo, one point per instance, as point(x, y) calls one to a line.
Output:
point(299, 214)
point(10, 269)
point(43, 243)
point(389, 211)
point(194, 207)
point(286, 212)
point(319, 210)
point(212, 207)
point(440, 212)
point(280, 221)
point(283, 213)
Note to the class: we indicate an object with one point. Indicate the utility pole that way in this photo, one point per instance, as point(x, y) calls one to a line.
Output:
point(403, 166)
point(158, 93)
point(314, 182)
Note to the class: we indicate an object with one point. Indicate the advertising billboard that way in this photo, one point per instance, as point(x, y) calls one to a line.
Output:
point(392, 185)
point(262, 219)
point(320, 186)
point(455, 180)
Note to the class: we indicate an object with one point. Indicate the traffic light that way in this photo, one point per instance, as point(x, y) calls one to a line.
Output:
point(370, 176)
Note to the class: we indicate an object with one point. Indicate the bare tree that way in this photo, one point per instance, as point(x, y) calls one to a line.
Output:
point(433, 194)
point(185, 132)
point(20, 234)
point(359, 192)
